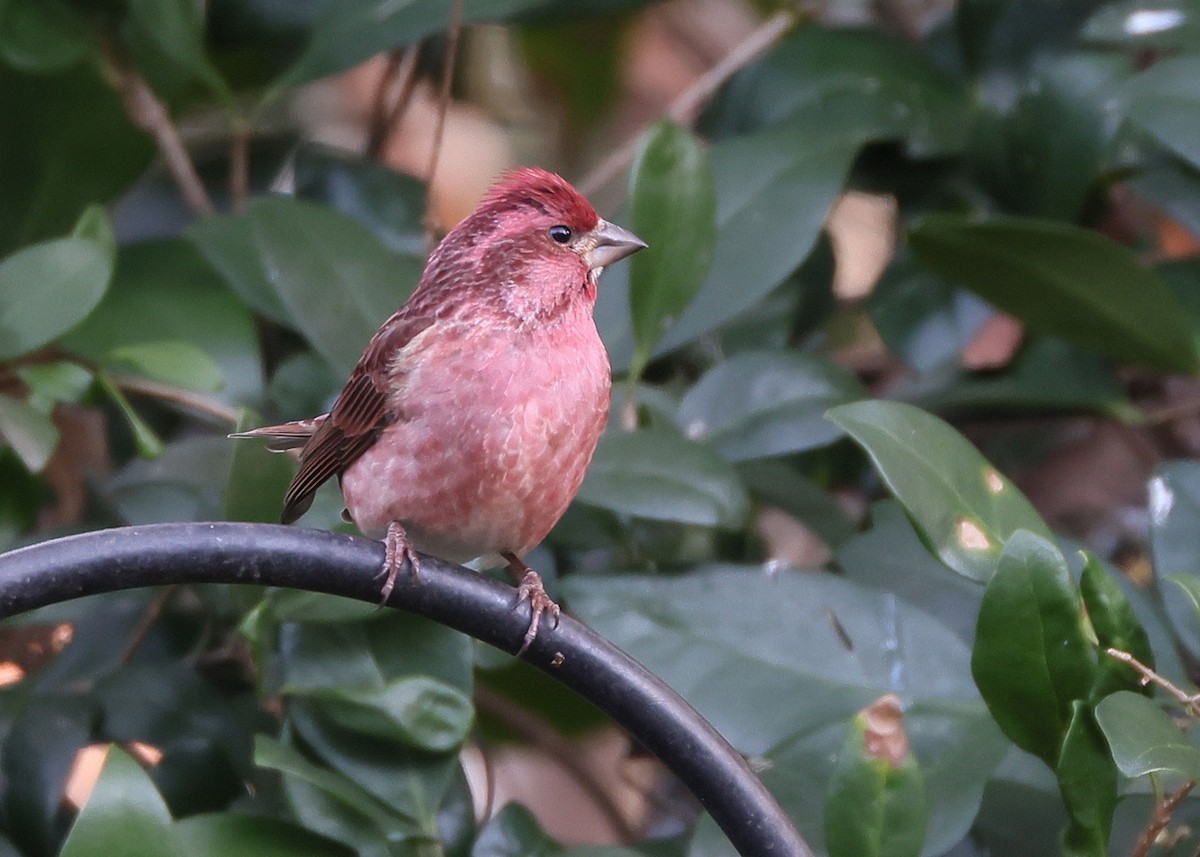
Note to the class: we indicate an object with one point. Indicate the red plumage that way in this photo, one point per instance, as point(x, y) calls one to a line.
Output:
point(468, 423)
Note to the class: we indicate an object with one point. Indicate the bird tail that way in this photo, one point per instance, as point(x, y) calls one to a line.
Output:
point(286, 436)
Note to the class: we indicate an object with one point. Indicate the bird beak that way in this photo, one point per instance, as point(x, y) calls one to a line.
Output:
point(611, 244)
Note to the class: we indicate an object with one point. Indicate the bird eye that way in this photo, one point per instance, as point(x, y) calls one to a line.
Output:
point(560, 233)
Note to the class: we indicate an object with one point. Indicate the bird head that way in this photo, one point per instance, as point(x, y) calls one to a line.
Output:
point(534, 247)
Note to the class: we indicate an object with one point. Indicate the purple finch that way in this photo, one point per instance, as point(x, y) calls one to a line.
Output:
point(468, 423)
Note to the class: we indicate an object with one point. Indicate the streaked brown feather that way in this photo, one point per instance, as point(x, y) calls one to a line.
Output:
point(357, 416)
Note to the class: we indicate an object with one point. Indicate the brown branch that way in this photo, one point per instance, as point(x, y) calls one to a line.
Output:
point(385, 118)
point(147, 111)
point(1160, 819)
point(689, 102)
point(150, 617)
point(533, 729)
point(1189, 701)
point(197, 402)
point(239, 164)
point(452, 36)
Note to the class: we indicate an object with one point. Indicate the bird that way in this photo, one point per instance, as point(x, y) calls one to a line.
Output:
point(469, 421)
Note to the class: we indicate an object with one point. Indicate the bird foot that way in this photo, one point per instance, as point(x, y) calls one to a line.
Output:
point(531, 589)
point(397, 550)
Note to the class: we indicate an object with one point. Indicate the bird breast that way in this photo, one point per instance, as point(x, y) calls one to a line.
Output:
point(492, 432)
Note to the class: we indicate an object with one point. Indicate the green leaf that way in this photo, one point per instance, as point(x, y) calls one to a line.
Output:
point(416, 710)
point(1116, 627)
point(149, 445)
point(1174, 507)
point(124, 817)
point(269, 753)
point(351, 31)
point(48, 288)
point(1144, 739)
point(29, 431)
point(176, 28)
point(257, 480)
point(389, 203)
point(225, 834)
point(1162, 101)
point(844, 78)
point(963, 507)
point(656, 474)
point(63, 159)
point(226, 241)
point(1087, 778)
point(1031, 659)
point(779, 662)
point(514, 832)
point(337, 282)
point(63, 381)
point(1190, 584)
point(173, 362)
point(1065, 280)
point(673, 209)
point(875, 807)
point(761, 404)
point(163, 290)
point(40, 36)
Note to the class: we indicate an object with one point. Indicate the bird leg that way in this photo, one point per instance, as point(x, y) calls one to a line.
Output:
point(530, 588)
point(397, 549)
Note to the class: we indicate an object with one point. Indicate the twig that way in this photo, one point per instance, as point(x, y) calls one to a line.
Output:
point(1160, 819)
point(198, 402)
point(456, 18)
point(239, 164)
point(153, 613)
point(688, 102)
point(539, 733)
point(147, 111)
point(386, 118)
point(1188, 700)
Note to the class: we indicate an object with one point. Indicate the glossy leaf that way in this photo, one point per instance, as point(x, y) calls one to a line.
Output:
point(163, 290)
point(63, 381)
point(63, 159)
point(350, 32)
point(514, 832)
point(176, 28)
point(875, 807)
point(766, 403)
point(1144, 739)
point(1162, 101)
point(124, 817)
point(171, 361)
point(257, 479)
point(847, 77)
point(779, 484)
point(336, 281)
point(223, 834)
point(29, 431)
point(673, 209)
point(1064, 280)
point(37, 36)
point(1116, 627)
point(417, 710)
point(48, 288)
point(1031, 659)
point(656, 474)
point(964, 508)
point(779, 661)
point(389, 203)
point(149, 444)
point(226, 241)
point(1087, 778)
point(1174, 507)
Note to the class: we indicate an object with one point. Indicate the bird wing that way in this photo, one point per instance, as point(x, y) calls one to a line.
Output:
point(356, 418)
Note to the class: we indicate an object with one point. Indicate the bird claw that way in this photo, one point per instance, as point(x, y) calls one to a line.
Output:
point(532, 590)
point(397, 550)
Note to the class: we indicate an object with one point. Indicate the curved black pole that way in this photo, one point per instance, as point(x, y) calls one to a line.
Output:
point(320, 561)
